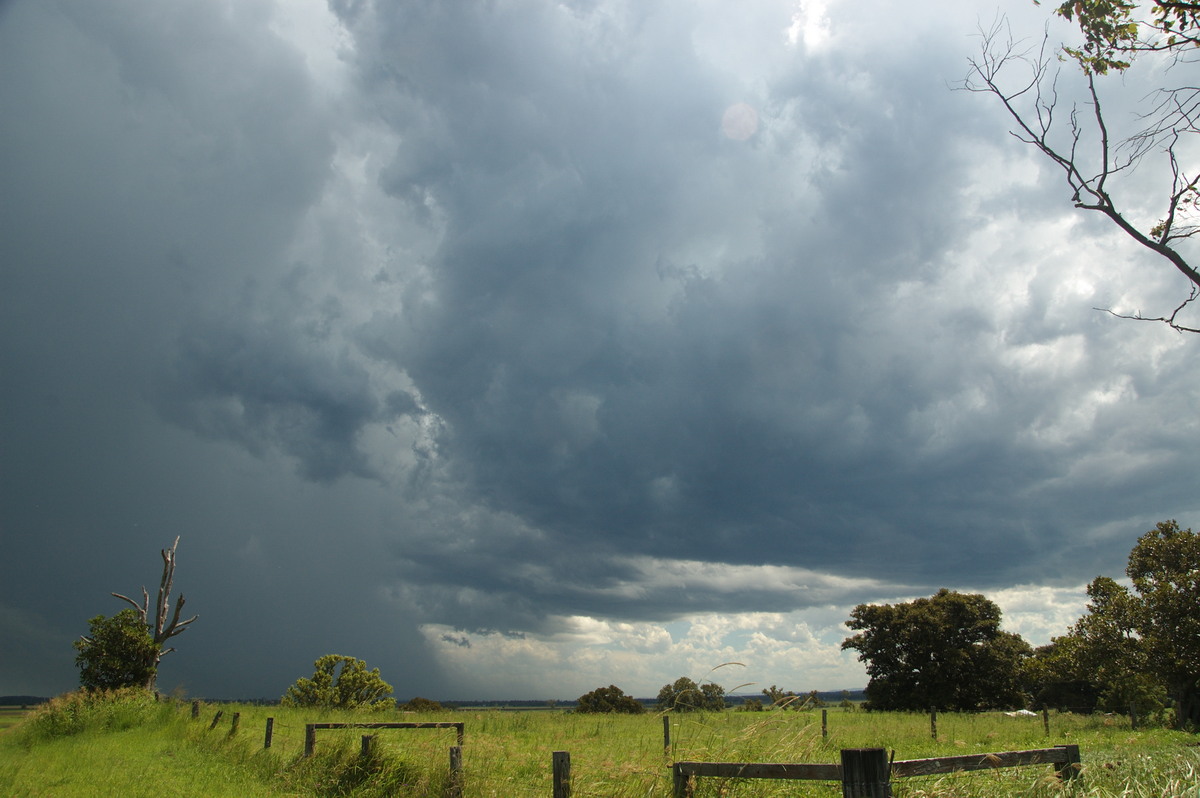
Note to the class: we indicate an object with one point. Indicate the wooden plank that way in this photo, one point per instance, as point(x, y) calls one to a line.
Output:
point(405, 725)
point(951, 764)
point(761, 770)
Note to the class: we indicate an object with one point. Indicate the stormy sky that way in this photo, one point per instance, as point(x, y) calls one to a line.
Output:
point(524, 347)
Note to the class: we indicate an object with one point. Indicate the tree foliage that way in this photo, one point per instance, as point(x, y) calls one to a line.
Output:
point(1099, 155)
point(609, 699)
point(684, 695)
point(341, 682)
point(1134, 648)
point(945, 652)
point(117, 652)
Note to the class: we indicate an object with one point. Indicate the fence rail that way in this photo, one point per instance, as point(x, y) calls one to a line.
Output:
point(310, 729)
point(866, 772)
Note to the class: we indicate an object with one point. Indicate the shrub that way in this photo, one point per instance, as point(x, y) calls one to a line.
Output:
point(609, 699)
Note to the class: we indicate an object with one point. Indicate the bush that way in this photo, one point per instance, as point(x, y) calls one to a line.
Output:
point(419, 704)
point(90, 710)
point(341, 682)
point(609, 699)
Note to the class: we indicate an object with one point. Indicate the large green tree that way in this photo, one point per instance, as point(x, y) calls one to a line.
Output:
point(609, 699)
point(341, 682)
point(1138, 170)
point(1164, 567)
point(117, 652)
point(944, 652)
point(1101, 662)
point(1135, 646)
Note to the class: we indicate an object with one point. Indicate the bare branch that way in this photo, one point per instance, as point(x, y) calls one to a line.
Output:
point(1090, 157)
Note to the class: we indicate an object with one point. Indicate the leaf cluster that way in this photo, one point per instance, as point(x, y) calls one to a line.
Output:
point(1114, 32)
point(117, 652)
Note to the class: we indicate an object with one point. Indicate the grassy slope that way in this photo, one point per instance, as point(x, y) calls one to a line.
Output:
point(508, 755)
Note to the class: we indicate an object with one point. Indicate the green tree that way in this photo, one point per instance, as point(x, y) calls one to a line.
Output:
point(684, 695)
point(1110, 163)
point(1101, 663)
point(609, 699)
point(780, 699)
point(1164, 566)
point(1134, 646)
point(117, 652)
point(945, 652)
point(341, 682)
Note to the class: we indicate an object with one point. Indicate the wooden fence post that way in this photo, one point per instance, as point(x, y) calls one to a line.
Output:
point(270, 730)
point(666, 735)
point(236, 721)
point(310, 738)
point(1046, 720)
point(681, 785)
point(455, 787)
point(1133, 718)
point(196, 708)
point(933, 723)
point(367, 739)
point(866, 773)
point(1071, 769)
point(562, 774)
point(824, 723)
point(216, 719)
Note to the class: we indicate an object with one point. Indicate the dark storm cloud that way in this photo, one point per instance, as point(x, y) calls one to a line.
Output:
point(772, 401)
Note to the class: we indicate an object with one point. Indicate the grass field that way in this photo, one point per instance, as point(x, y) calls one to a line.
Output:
point(10, 716)
point(157, 749)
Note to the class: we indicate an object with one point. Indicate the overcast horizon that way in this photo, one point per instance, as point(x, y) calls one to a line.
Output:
point(520, 348)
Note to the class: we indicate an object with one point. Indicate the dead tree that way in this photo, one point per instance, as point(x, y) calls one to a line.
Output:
point(166, 624)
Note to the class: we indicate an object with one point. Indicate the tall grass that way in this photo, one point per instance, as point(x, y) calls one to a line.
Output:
point(84, 745)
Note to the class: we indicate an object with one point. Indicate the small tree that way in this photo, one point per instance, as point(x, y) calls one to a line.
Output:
point(341, 682)
point(781, 699)
point(684, 695)
point(117, 652)
point(609, 699)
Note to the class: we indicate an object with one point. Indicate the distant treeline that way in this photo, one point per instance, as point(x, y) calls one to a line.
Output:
point(21, 700)
point(830, 697)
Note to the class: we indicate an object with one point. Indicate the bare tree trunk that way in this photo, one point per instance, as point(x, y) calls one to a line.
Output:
point(162, 628)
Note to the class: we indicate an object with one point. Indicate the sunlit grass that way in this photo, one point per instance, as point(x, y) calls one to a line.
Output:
point(144, 748)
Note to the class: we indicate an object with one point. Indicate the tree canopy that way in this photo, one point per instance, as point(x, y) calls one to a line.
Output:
point(609, 699)
point(341, 682)
point(117, 652)
point(1134, 648)
point(684, 695)
point(944, 652)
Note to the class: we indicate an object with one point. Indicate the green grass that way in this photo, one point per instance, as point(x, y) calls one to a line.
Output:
point(136, 747)
point(11, 716)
